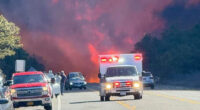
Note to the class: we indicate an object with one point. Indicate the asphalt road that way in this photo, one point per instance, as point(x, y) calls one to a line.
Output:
point(162, 98)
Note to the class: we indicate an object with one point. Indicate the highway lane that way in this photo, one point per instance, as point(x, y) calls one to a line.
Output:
point(162, 98)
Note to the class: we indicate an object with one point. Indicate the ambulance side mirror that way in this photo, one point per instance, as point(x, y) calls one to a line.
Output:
point(99, 75)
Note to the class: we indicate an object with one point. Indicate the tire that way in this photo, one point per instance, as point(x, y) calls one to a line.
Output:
point(56, 95)
point(70, 88)
point(85, 88)
point(48, 107)
point(137, 96)
point(152, 87)
point(107, 98)
point(80, 88)
point(102, 98)
point(15, 105)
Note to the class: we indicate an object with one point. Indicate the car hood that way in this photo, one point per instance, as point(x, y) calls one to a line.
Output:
point(122, 78)
point(26, 85)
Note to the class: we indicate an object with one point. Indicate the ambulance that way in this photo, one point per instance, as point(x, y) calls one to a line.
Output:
point(120, 75)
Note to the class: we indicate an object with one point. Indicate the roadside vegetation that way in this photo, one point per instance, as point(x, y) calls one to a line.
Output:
point(175, 54)
point(11, 49)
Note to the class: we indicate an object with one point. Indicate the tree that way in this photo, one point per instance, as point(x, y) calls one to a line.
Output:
point(9, 38)
point(8, 63)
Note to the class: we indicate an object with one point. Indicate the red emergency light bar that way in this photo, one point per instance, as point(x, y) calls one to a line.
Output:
point(110, 59)
point(138, 57)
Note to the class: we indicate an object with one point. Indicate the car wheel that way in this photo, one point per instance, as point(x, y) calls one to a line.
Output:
point(70, 88)
point(85, 88)
point(107, 98)
point(138, 96)
point(56, 95)
point(15, 105)
point(80, 88)
point(102, 98)
point(48, 107)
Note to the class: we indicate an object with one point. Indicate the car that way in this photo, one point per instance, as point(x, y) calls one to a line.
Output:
point(148, 79)
point(55, 86)
point(31, 89)
point(5, 104)
point(75, 80)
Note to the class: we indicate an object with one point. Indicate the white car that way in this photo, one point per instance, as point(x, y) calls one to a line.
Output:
point(55, 86)
point(148, 80)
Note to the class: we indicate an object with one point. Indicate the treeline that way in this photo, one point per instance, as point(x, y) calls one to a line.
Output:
point(8, 63)
point(11, 49)
point(175, 52)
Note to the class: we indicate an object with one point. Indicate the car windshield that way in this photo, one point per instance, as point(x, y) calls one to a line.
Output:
point(121, 71)
point(28, 79)
point(75, 75)
point(49, 75)
point(146, 74)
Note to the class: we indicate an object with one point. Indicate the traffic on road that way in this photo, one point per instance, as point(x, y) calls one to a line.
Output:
point(122, 86)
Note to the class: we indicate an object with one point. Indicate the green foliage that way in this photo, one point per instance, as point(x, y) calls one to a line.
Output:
point(175, 52)
point(8, 63)
point(9, 38)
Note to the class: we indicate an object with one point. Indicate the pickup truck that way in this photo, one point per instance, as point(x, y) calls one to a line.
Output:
point(31, 89)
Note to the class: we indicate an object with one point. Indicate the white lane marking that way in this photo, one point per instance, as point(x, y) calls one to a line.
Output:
point(59, 102)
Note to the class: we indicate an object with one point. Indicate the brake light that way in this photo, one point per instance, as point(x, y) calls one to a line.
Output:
point(138, 57)
point(116, 84)
point(129, 83)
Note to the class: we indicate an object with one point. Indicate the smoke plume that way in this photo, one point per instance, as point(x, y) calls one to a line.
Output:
point(70, 34)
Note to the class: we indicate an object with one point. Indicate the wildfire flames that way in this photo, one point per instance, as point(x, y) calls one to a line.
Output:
point(70, 34)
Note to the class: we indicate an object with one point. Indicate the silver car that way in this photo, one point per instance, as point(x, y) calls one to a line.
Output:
point(148, 79)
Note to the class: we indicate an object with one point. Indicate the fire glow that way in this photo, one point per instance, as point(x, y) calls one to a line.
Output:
point(70, 34)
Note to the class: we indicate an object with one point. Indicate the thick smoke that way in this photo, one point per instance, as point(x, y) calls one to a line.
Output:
point(70, 34)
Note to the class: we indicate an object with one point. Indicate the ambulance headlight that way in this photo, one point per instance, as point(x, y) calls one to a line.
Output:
point(70, 83)
point(108, 86)
point(85, 82)
point(136, 85)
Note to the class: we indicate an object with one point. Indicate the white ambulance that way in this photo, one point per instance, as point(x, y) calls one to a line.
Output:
point(120, 75)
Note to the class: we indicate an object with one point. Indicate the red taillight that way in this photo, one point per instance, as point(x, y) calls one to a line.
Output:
point(116, 84)
point(138, 57)
point(129, 83)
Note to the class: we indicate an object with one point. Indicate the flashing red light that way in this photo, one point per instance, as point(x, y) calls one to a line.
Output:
point(109, 59)
point(129, 83)
point(116, 84)
point(138, 57)
point(115, 58)
point(103, 59)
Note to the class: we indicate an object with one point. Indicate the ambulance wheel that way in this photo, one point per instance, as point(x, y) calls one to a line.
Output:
point(102, 98)
point(137, 96)
point(107, 98)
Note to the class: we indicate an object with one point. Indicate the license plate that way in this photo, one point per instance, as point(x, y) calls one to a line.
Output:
point(29, 103)
point(122, 93)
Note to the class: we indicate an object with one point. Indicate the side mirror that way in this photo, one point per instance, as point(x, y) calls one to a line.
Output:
point(53, 80)
point(99, 75)
point(8, 83)
point(4, 101)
